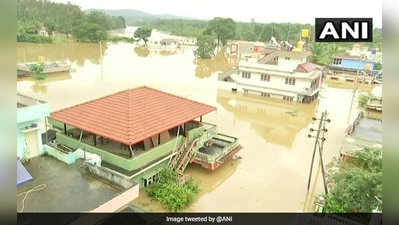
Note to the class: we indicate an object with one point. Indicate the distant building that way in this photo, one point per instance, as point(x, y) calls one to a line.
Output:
point(31, 114)
point(345, 63)
point(279, 74)
point(375, 100)
point(43, 32)
point(246, 49)
point(169, 41)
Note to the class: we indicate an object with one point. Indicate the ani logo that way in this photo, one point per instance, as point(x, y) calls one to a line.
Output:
point(344, 30)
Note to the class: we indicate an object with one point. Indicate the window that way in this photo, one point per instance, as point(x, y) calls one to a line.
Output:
point(246, 75)
point(265, 77)
point(264, 94)
point(287, 58)
point(337, 61)
point(288, 98)
point(290, 80)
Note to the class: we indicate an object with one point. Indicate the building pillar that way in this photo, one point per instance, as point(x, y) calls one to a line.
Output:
point(65, 129)
point(94, 140)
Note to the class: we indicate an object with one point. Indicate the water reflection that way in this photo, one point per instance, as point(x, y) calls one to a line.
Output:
point(142, 51)
point(73, 52)
point(39, 87)
point(276, 121)
point(220, 63)
point(167, 52)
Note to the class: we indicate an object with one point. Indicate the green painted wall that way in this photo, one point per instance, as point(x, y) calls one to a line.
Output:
point(69, 158)
point(128, 164)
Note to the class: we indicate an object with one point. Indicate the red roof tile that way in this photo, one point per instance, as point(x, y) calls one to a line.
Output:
point(133, 115)
point(307, 67)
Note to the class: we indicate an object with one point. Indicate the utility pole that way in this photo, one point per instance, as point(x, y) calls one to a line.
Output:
point(358, 73)
point(320, 135)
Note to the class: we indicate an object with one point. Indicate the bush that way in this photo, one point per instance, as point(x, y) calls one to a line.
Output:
point(357, 184)
point(363, 99)
point(120, 39)
point(34, 38)
point(171, 193)
point(37, 70)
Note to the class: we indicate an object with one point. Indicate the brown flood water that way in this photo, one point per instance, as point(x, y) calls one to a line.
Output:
point(273, 170)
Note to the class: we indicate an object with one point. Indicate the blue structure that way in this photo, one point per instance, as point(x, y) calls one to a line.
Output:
point(31, 114)
point(352, 64)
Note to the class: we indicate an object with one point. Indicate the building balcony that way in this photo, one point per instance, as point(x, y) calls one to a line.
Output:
point(216, 150)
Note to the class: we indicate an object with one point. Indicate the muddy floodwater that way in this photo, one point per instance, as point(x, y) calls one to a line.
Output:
point(272, 170)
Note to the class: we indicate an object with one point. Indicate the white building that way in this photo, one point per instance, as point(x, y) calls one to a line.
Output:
point(281, 74)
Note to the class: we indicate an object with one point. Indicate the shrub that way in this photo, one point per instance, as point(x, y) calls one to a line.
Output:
point(171, 193)
point(357, 184)
point(34, 38)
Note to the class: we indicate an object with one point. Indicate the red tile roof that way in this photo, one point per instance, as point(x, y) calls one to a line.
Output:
point(133, 115)
point(307, 67)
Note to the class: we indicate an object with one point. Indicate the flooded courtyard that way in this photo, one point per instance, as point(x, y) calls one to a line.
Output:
point(271, 172)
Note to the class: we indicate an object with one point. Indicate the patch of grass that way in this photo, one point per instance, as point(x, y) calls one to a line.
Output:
point(117, 39)
point(172, 193)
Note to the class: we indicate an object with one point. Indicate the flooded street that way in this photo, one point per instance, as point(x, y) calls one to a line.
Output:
point(271, 174)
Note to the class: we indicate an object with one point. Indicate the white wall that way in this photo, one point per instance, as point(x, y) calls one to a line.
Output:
point(276, 82)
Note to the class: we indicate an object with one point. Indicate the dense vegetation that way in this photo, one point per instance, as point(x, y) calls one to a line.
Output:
point(171, 192)
point(356, 183)
point(252, 31)
point(62, 19)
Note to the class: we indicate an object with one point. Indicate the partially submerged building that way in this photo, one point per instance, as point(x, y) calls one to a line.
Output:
point(31, 115)
point(375, 99)
point(279, 74)
point(131, 135)
point(352, 64)
point(361, 133)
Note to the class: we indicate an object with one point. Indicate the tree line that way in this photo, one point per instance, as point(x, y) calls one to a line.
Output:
point(223, 29)
point(66, 19)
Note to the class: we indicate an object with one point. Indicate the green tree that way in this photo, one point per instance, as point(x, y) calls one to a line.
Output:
point(90, 32)
point(206, 47)
point(357, 183)
point(143, 33)
point(223, 28)
point(322, 53)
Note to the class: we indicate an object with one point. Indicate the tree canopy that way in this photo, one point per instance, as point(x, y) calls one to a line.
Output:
point(143, 33)
point(206, 47)
point(223, 28)
point(35, 15)
point(322, 53)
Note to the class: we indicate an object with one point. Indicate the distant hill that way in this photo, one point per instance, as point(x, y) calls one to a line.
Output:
point(133, 16)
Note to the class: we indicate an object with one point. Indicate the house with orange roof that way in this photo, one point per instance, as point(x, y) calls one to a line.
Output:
point(131, 135)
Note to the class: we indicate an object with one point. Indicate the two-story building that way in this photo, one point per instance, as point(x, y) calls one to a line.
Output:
point(31, 114)
point(131, 135)
point(280, 74)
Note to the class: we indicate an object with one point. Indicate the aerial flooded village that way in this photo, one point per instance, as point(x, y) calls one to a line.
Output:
point(122, 113)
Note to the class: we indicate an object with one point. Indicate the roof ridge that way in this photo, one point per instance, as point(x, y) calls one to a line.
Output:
point(95, 99)
point(179, 96)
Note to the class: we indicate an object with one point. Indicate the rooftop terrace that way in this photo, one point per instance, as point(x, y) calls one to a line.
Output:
point(69, 188)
